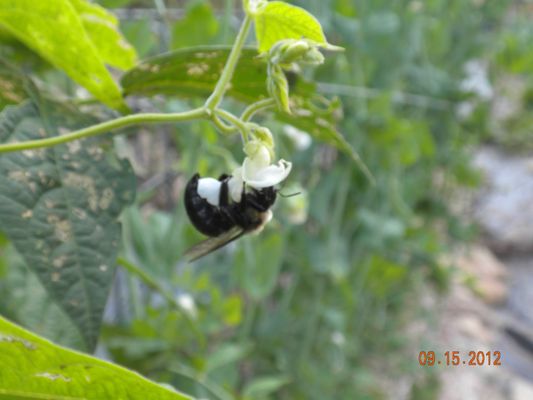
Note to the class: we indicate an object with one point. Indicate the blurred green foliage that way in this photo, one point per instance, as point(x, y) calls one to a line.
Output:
point(316, 306)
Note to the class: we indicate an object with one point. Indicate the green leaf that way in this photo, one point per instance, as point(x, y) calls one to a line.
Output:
point(59, 207)
point(34, 368)
point(261, 388)
point(317, 116)
point(194, 72)
point(279, 20)
point(199, 26)
point(54, 29)
point(37, 311)
point(102, 28)
point(226, 355)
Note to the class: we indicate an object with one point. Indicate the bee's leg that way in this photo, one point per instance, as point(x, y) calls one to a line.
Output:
point(257, 206)
point(228, 215)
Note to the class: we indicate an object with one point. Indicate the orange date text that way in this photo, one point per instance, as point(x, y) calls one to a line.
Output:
point(457, 358)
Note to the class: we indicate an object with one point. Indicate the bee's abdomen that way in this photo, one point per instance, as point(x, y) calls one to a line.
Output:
point(208, 219)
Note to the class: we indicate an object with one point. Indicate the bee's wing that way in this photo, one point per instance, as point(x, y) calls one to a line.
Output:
point(213, 243)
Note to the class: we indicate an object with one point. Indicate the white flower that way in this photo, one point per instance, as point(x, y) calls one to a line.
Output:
point(257, 171)
point(235, 185)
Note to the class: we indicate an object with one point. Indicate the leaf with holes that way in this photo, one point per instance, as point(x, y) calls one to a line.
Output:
point(194, 72)
point(38, 311)
point(34, 368)
point(279, 20)
point(69, 34)
point(59, 207)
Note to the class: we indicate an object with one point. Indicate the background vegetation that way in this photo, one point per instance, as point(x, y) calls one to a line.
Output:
point(318, 305)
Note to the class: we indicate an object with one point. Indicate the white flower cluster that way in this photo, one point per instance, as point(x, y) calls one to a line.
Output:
point(257, 171)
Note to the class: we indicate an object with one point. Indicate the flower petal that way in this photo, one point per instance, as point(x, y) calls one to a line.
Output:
point(259, 160)
point(266, 177)
point(235, 185)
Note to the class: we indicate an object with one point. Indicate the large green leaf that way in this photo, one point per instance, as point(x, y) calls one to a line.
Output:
point(26, 300)
point(34, 368)
point(59, 207)
point(194, 72)
point(279, 20)
point(71, 41)
point(102, 28)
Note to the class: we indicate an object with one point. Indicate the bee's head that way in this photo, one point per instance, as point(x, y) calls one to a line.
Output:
point(262, 199)
point(267, 195)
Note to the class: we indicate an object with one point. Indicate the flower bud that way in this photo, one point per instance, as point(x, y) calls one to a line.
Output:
point(253, 149)
point(278, 87)
point(292, 51)
point(264, 135)
point(289, 51)
point(313, 57)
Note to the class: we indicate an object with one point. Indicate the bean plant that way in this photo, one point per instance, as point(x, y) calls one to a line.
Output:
point(64, 187)
point(101, 129)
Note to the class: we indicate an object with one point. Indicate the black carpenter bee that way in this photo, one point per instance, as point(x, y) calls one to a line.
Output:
point(217, 212)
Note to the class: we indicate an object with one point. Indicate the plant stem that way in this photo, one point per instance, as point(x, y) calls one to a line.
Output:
point(221, 125)
point(236, 121)
point(220, 89)
point(143, 118)
point(256, 107)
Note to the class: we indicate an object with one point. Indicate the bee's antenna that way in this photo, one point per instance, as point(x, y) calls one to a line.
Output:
point(289, 195)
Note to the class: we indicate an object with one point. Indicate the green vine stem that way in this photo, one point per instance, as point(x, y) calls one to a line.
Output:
point(220, 89)
point(236, 121)
point(143, 118)
point(260, 105)
point(224, 128)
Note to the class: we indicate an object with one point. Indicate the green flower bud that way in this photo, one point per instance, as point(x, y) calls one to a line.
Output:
point(289, 51)
point(313, 57)
point(278, 87)
point(252, 148)
point(292, 51)
point(265, 136)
